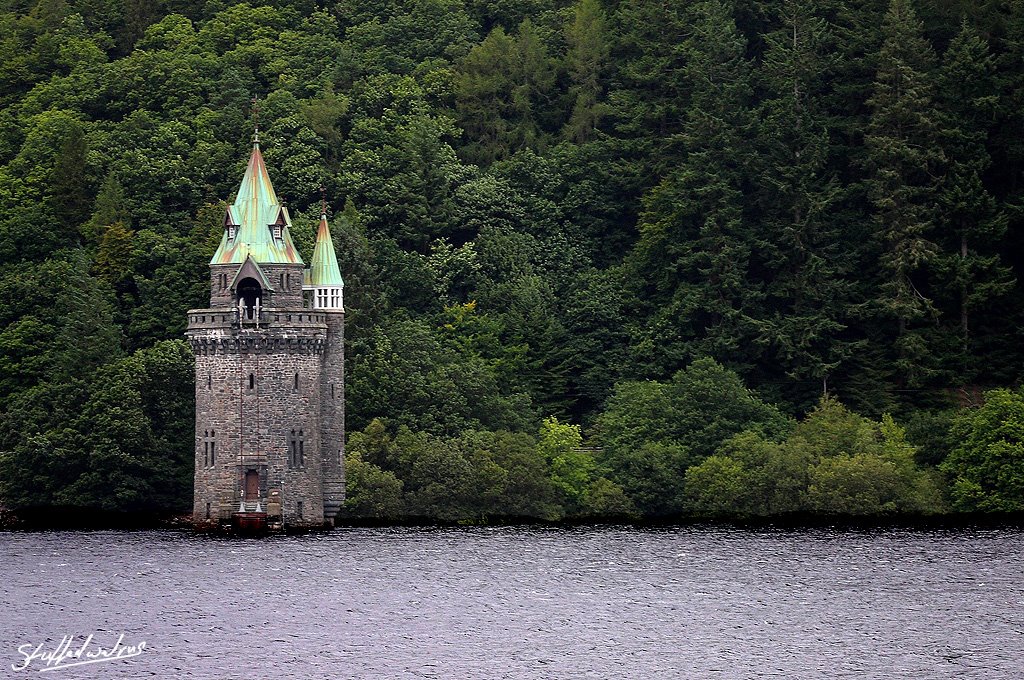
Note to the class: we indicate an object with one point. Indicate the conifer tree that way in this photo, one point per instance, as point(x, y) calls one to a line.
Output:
point(969, 272)
point(651, 92)
point(903, 160)
point(807, 292)
point(68, 183)
point(502, 86)
point(695, 246)
point(587, 61)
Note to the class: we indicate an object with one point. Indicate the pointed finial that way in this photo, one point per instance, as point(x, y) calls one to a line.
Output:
point(323, 201)
point(256, 120)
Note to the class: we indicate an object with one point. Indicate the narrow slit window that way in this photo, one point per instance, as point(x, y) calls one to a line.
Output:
point(298, 508)
point(207, 511)
point(295, 385)
point(332, 390)
point(213, 453)
point(252, 381)
point(209, 381)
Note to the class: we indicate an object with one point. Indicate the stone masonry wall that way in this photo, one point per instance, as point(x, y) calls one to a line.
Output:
point(284, 279)
point(332, 412)
point(252, 424)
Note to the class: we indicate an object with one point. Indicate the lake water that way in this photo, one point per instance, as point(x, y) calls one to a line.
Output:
point(598, 602)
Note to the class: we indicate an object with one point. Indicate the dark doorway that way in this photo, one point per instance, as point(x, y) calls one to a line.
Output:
point(249, 290)
point(252, 485)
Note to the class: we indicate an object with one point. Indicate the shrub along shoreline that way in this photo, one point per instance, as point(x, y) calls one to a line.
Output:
point(700, 447)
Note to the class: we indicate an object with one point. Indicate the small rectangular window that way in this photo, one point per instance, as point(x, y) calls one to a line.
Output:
point(252, 381)
point(207, 511)
point(302, 455)
point(299, 508)
point(295, 385)
point(213, 453)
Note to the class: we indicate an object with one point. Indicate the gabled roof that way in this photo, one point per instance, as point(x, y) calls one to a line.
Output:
point(255, 209)
point(250, 269)
point(323, 270)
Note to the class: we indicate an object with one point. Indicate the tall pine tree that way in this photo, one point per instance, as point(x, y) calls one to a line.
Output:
point(969, 274)
point(903, 160)
point(692, 261)
point(587, 62)
point(805, 264)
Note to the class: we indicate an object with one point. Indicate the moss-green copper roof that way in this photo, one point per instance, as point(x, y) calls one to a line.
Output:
point(255, 209)
point(323, 270)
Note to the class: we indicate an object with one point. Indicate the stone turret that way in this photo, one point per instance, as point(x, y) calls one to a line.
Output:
point(324, 287)
point(269, 372)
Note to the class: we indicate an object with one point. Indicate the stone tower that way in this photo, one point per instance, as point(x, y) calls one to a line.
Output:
point(270, 396)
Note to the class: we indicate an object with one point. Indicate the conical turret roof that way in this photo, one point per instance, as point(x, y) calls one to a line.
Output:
point(254, 213)
point(323, 270)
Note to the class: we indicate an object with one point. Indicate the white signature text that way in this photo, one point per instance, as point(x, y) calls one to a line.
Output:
point(69, 653)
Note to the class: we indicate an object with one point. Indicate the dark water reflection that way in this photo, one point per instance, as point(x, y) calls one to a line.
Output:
point(524, 603)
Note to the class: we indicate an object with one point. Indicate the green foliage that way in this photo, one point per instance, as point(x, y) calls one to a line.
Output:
point(124, 444)
point(799, 194)
point(572, 467)
point(371, 493)
point(986, 468)
point(971, 276)
point(835, 462)
point(587, 61)
point(537, 206)
point(653, 432)
point(502, 85)
point(467, 478)
point(693, 258)
point(903, 159)
point(412, 374)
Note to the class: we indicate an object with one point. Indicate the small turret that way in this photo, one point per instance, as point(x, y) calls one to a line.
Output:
point(323, 278)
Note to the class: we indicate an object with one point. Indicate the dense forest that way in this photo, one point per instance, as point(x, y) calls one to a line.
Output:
point(603, 258)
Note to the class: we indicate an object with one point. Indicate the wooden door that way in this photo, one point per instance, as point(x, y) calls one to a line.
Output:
point(252, 485)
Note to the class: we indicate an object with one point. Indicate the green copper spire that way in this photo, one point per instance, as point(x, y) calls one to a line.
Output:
point(323, 270)
point(256, 223)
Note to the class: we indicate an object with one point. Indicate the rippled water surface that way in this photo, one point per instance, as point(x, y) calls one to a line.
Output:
point(524, 603)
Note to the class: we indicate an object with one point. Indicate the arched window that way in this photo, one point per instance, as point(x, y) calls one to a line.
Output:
point(248, 292)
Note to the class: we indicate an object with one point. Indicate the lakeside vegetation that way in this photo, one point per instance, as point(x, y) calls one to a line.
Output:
point(603, 258)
